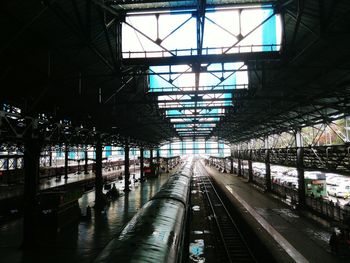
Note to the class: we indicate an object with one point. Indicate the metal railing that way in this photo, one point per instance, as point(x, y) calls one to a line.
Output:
point(222, 88)
point(205, 51)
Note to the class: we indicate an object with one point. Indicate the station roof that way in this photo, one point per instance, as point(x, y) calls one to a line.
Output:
point(64, 58)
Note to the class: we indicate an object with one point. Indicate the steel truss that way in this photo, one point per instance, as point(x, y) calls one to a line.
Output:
point(14, 126)
point(195, 58)
point(320, 152)
point(334, 158)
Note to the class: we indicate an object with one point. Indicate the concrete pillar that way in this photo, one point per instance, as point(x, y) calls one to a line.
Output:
point(66, 162)
point(141, 163)
point(99, 198)
point(250, 166)
point(31, 160)
point(167, 165)
point(300, 168)
point(126, 168)
point(86, 161)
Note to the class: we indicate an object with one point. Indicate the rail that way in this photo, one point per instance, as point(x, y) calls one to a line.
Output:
point(234, 245)
point(324, 208)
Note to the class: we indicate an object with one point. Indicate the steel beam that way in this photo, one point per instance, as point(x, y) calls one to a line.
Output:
point(201, 59)
point(199, 92)
point(190, 116)
point(197, 108)
point(196, 122)
point(198, 99)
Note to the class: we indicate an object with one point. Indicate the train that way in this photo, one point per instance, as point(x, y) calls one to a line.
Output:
point(157, 231)
point(15, 176)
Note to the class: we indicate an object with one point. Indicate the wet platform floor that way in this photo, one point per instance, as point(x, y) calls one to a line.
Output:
point(304, 239)
point(82, 241)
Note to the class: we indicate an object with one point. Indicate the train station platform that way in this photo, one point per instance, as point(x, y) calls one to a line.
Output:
point(11, 191)
point(288, 234)
point(82, 241)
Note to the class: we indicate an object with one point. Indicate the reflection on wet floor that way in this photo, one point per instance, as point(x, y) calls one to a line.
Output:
point(197, 251)
point(81, 242)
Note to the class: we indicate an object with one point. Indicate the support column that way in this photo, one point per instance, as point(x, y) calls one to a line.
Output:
point(141, 164)
point(250, 167)
point(86, 161)
point(31, 161)
point(239, 168)
point(150, 156)
point(50, 157)
point(300, 168)
point(224, 165)
point(78, 157)
point(267, 166)
point(99, 198)
point(66, 162)
point(158, 162)
point(231, 161)
point(126, 168)
point(167, 165)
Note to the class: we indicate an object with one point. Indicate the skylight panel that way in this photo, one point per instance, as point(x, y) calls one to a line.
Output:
point(185, 90)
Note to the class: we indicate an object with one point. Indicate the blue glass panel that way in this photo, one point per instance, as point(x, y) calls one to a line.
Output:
point(108, 150)
point(269, 31)
point(71, 155)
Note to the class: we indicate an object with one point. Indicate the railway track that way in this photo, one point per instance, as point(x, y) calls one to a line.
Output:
point(232, 246)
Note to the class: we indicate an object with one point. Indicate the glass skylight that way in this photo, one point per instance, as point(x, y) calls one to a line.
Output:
point(196, 96)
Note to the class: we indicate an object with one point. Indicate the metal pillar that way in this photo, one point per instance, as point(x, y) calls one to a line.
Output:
point(150, 156)
point(239, 172)
point(126, 168)
point(158, 162)
point(50, 157)
point(31, 175)
point(99, 199)
point(86, 162)
point(300, 168)
point(141, 164)
point(231, 161)
point(267, 166)
point(250, 167)
point(66, 162)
